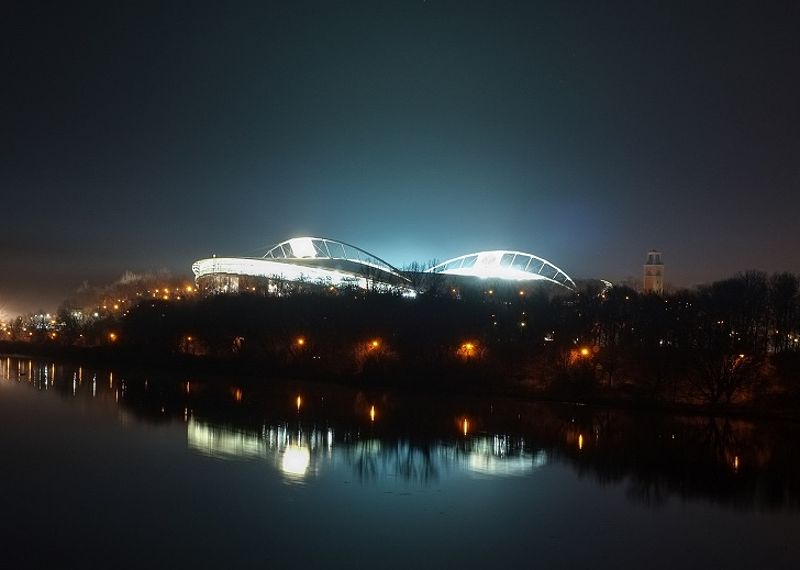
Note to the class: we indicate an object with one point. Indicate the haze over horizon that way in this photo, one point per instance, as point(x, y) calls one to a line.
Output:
point(143, 136)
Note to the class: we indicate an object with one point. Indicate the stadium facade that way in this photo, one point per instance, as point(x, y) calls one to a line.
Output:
point(322, 262)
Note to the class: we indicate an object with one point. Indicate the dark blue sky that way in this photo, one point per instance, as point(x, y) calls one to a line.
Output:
point(140, 136)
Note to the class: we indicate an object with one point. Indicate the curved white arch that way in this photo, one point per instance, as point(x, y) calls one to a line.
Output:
point(504, 264)
point(308, 247)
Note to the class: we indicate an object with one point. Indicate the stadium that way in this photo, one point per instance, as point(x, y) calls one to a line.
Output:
point(313, 262)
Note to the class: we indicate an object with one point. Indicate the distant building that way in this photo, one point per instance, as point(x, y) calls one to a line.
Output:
point(653, 281)
point(304, 262)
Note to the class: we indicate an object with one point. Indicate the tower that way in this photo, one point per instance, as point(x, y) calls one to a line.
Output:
point(653, 281)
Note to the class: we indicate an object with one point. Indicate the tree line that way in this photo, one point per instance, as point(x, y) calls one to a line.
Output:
point(733, 342)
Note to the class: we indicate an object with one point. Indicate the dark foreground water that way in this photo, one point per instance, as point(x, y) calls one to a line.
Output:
point(104, 469)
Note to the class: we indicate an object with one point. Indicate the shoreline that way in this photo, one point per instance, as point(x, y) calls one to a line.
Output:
point(252, 370)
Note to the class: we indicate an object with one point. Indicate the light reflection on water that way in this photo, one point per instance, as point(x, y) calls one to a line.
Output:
point(744, 464)
point(305, 453)
point(466, 482)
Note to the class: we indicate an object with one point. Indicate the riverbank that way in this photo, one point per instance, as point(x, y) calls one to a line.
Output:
point(444, 381)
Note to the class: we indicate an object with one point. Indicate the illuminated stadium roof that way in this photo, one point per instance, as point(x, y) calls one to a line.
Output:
point(325, 261)
point(308, 259)
point(311, 248)
point(509, 265)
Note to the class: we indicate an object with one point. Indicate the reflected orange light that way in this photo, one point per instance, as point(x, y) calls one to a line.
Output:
point(237, 394)
point(299, 402)
point(372, 413)
point(188, 387)
point(580, 441)
point(735, 462)
point(465, 426)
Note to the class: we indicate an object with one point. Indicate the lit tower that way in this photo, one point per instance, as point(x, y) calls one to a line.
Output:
point(653, 273)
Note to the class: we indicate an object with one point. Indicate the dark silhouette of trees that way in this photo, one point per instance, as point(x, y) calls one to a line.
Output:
point(731, 342)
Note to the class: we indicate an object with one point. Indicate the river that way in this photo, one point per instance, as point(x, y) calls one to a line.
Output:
point(148, 469)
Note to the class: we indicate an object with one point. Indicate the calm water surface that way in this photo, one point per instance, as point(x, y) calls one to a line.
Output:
point(102, 468)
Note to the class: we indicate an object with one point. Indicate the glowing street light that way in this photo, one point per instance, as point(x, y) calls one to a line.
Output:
point(468, 350)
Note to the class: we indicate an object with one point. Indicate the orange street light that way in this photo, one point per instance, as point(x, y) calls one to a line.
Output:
point(467, 350)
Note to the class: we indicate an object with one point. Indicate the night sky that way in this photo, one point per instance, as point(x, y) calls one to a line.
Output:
point(138, 136)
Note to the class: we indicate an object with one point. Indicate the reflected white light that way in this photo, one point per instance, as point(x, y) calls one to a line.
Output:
point(295, 461)
point(223, 443)
point(291, 451)
point(489, 464)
